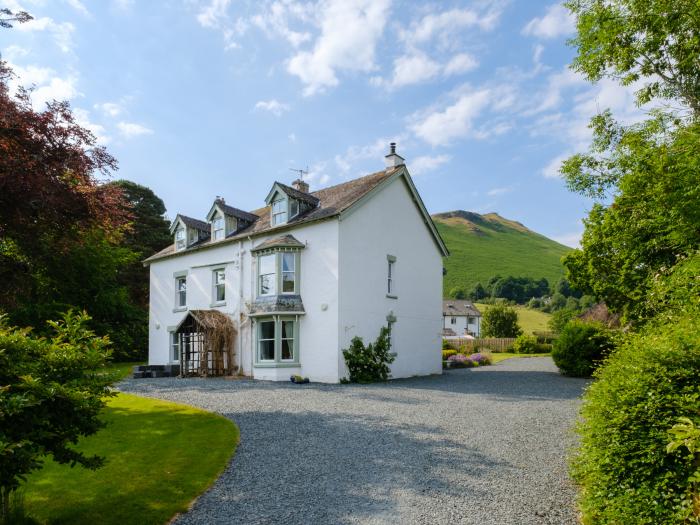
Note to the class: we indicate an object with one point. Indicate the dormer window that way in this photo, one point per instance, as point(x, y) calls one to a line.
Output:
point(218, 230)
point(180, 239)
point(293, 208)
point(279, 212)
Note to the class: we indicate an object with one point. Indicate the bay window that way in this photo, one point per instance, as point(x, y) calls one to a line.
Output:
point(278, 273)
point(277, 341)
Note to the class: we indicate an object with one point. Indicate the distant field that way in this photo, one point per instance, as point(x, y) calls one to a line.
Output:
point(482, 246)
point(529, 320)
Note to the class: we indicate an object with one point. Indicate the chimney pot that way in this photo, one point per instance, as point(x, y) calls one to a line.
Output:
point(301, 186)
point(393, 159)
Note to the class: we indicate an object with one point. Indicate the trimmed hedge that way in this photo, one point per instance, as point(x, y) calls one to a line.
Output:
point(626, 474)
point(581, 347)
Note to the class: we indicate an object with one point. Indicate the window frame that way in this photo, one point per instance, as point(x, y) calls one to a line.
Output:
point(391, 277)
point(279, 272)
point(218, 217)
point(180, 241)
point(180, 293)
point(283, 210)
point(174, 343)
point(277, 361)
point(215, 284)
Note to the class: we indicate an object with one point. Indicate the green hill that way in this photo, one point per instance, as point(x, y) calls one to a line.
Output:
point(482, 246)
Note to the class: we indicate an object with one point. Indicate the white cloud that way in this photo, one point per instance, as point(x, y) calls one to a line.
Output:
point(62, 33)
point(56, 89)
point(350, 30)
point(572, 239)
point(557, 21)
point(446, 22)
point(461, 63)
point(440, 127)
point(417, 67)
point(111, 109)
point(78, 6)
point(499, 191)
point(292, 138)
point(426, 163)
point(551, 170)
point(213, 14)
point(132, 129)
point(46, 84)
point(82, 117)
point(123, 5)
point(276, 20)
point(273, 106)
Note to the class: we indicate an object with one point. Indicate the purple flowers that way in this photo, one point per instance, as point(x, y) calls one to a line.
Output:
point(468, 361)
point(459, 358)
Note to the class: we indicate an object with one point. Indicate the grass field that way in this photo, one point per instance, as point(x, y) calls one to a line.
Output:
point(160, 456)
point(529, 320)
point(502, 356)
point(482, 246)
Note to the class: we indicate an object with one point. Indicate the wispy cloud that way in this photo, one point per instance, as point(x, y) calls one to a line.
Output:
point(557, 21)
point(132, 129)
point(416, 67)
point(499, 191)
point(272, 106)
point(426, 163)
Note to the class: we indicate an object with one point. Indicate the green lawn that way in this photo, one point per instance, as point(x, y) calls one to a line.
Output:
point(529, 320)
point(123, 370)
point(502, 356)
point(160, 456)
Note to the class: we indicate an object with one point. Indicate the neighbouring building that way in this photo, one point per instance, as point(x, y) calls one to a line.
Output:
point(460, 319)
point(297, 279)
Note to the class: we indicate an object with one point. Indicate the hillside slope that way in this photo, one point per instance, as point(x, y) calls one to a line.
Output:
point(482, 246)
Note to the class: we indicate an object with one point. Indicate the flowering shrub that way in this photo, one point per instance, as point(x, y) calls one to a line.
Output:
point(461, 358)
point(447, 353)
point(482, 358)
point(460, 361)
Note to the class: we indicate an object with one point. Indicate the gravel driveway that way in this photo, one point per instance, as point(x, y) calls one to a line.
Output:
point(474, 446)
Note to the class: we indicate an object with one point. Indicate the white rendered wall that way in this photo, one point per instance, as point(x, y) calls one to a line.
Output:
point(390, 223)
point(460, 327)
point(318, 333)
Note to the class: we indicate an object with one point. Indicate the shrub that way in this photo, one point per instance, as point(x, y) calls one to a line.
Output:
point(52, 393)
point(461, 361)
point(446, 344)
point(559, 319)
point(369, 363)
point(483, 358)
point(447, 353)
point(500, 320)
point(626, 472)
point(580, 348)
point(526, 344)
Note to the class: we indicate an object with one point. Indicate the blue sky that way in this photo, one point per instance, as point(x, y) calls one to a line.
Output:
point(221, 97)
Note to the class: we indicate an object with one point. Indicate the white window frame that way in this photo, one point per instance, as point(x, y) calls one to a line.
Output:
point(391, 277)
point(278, 212)
point(180, 238)
point(293, 272)
point(293, 203)
point(180, 293)
point(273, 288)
point(218, 285)
point(218, 227)
point(453, 320)
point(174, 347)
point(278, 320)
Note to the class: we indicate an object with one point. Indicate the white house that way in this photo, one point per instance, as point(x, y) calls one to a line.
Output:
point(302, 276)
point(460, 318)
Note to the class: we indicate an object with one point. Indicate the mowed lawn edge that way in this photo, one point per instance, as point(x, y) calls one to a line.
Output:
point(160, 457)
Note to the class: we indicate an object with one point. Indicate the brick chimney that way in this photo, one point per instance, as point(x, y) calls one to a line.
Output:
point(301, 186)
point(393, 159)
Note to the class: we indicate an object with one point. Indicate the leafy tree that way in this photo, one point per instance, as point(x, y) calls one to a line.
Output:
point(557, 302)
point(458, 293)
point(52, 392)
point(654, 42)
point(478, 292)
point(653, 169)
point(500, 320)
point(559, 320)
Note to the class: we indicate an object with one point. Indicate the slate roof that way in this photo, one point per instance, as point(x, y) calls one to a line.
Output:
point(239, 214)
point(453, 307)
point(299, 195)
point(285, 241)
point(331, 201)
point(195, 223)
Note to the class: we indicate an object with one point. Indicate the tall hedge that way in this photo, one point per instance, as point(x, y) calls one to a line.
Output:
point(625, 472)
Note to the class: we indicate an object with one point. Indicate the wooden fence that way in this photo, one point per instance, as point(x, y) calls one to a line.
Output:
point(494, 344)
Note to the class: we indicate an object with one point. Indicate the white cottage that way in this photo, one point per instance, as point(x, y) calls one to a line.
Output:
point(302, 276)
point(461, 318)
